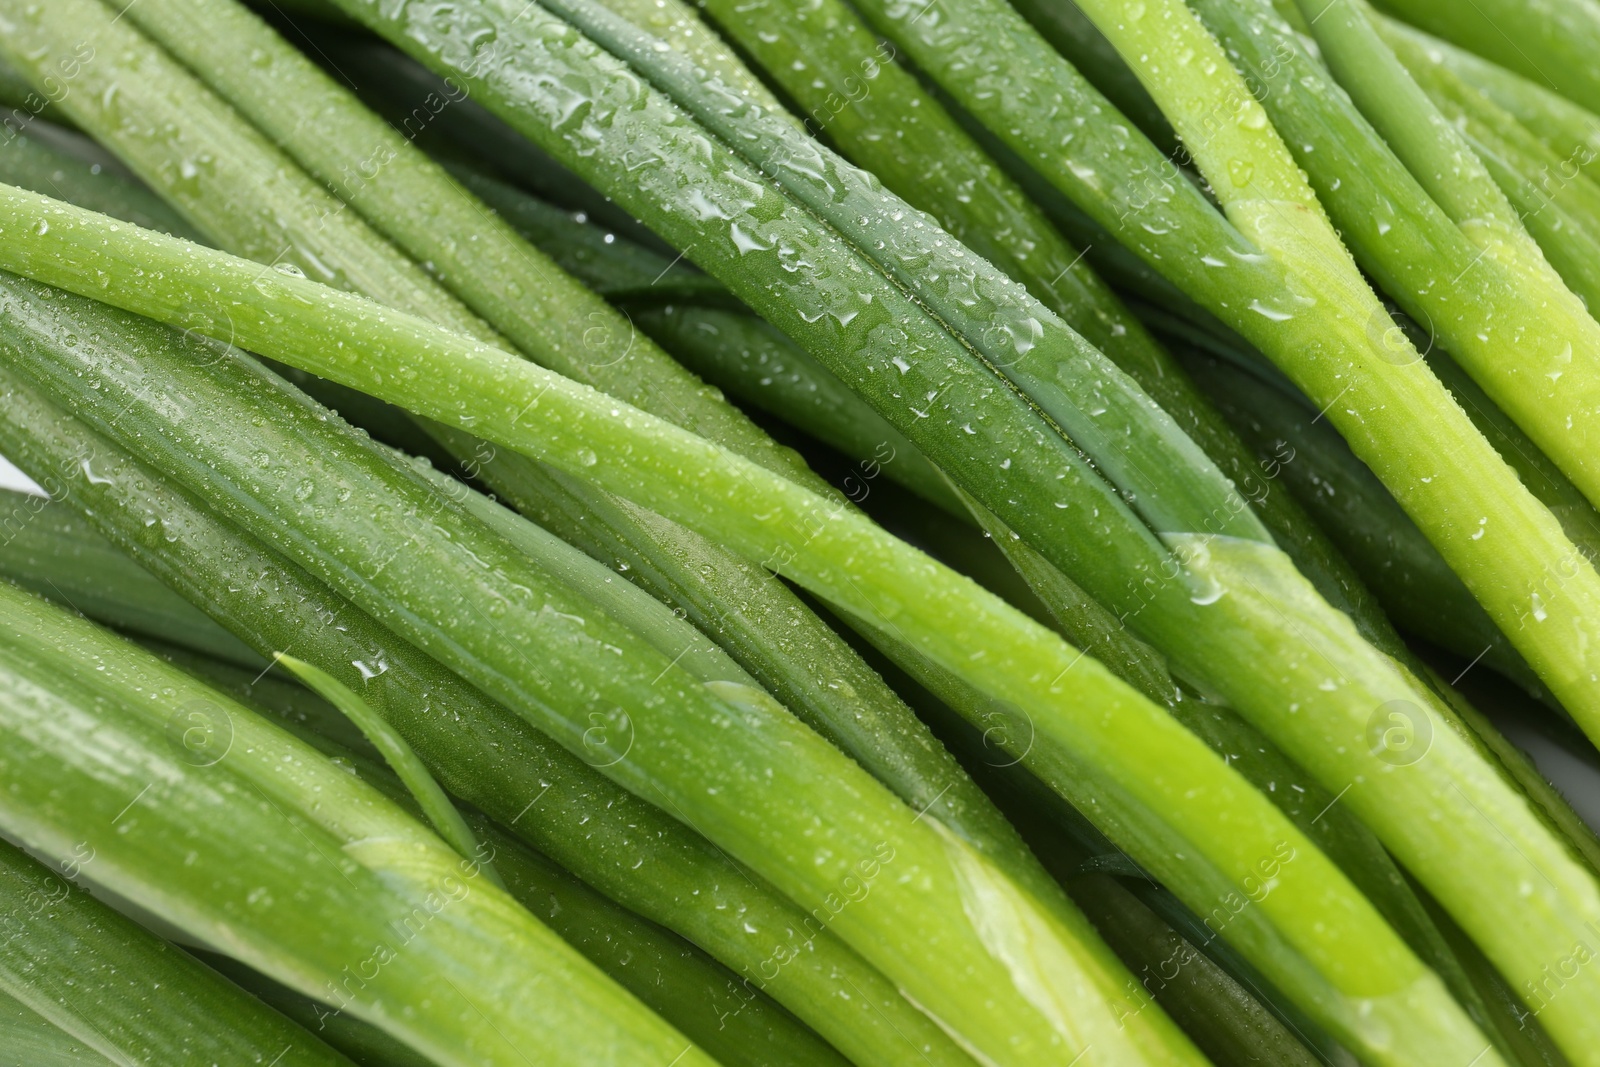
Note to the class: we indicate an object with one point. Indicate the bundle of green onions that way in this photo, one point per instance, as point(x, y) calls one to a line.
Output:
point(799, 532)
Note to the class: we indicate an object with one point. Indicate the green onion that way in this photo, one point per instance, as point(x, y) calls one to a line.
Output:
point(411, 200)
point(362, 1042)
point(615, 267)
point(33, 1041)
point(1446, 243)
point(49, 551)
point(1416, 586)
point(739, 1026)
point(435, 806)
point(888, 124)
point(52, 160)
point(303, 872)
point(880, 1016)
point(685, 477)
point(631, 850)
point(304, 713)
point(121, 992)
point(770, 631)
point(1569, 130)
point(1555, 201)
point(713, 761)
point(1257, 198)
point(1225, 1036)
point(1072, 383)
point(649, 191)
point(1554, 45)
point(761, 367)
point(163, 124)
point(1122, 179)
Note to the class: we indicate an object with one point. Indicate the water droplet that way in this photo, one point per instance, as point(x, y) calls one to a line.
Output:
point(744, 242)
point(1270, 312)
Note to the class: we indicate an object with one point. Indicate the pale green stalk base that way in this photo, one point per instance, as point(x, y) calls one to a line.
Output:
point(1551, 42)
point(1267, 198)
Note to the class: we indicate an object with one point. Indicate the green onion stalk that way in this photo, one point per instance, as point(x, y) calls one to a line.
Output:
point(362, 1042)
point(822, 49)
point(830, 316)
point(1424, 591)
point(47, 549)
point(302, 712)
point(790, 381)
point(430, 801)
point(34, 1042)
point(918, 901)
point(1428, 221)
point(299, 869)
point(760, 366)
point(735, 1025)
point(446, 377)
point(847, 85)
point(1557, 203)
point(1418, 589)
point(1156, 211)
point(580, 524)
point(67, 166)
point(617, 267)
point(637, 854)
point(695, 322)
point(1570, 130)
point(408, 197)
point(1259, 185)
point(884, 733)
point(1071, 33)
point(1552, 44)
point(100, 979)
point(658, 968)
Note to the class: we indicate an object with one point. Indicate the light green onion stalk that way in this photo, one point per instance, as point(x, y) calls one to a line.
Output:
point(297, 868)
point(1550, 42)
point(1423, 214)
point(739, 1027)
point(1569, 129)
point(101, 980)
point(1556, 201)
